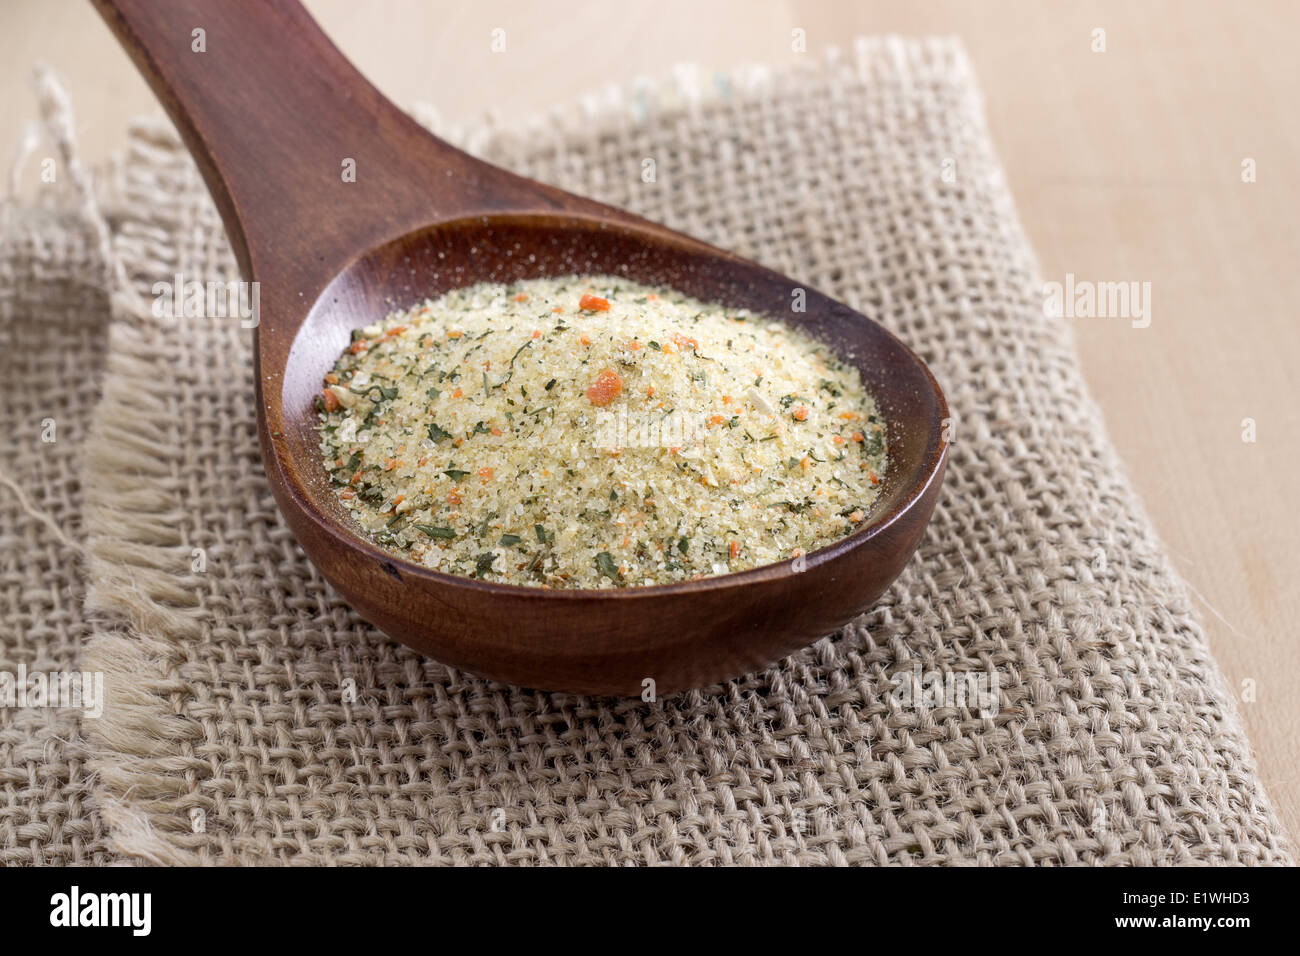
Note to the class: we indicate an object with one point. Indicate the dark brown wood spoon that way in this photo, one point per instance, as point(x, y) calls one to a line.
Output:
point(272, 112)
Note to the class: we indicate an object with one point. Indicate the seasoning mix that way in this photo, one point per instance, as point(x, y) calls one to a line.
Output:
point(589, 432)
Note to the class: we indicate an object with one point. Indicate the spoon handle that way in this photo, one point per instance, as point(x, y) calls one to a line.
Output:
point(307, 161)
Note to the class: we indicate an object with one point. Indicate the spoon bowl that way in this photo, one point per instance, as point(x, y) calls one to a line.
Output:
point(421, 218)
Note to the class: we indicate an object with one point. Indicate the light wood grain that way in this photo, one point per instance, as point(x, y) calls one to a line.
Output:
point(1125, 165)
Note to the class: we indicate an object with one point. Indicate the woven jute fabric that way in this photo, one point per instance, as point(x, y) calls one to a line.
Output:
point(254, 718)
point(54, 314)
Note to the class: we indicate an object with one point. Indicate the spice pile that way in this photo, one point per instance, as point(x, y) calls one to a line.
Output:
point(589, 432)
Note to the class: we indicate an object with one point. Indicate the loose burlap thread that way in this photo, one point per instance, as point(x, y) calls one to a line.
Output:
point(254, 718)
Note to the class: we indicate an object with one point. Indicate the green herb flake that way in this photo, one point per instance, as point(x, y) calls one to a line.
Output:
point(605, 564)
point(433, 531)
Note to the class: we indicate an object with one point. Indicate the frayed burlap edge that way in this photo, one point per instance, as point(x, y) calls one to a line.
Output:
point(134, 550)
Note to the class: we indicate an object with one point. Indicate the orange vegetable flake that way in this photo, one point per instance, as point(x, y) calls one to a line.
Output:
point(607, 387)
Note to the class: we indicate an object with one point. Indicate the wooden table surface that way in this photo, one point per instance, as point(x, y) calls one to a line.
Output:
point(1126, 165)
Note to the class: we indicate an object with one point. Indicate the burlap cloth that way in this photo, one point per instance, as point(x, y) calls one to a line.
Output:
point(53, 315)
point(228, 737)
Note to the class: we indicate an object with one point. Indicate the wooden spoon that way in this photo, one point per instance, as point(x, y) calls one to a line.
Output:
point(273, 113)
